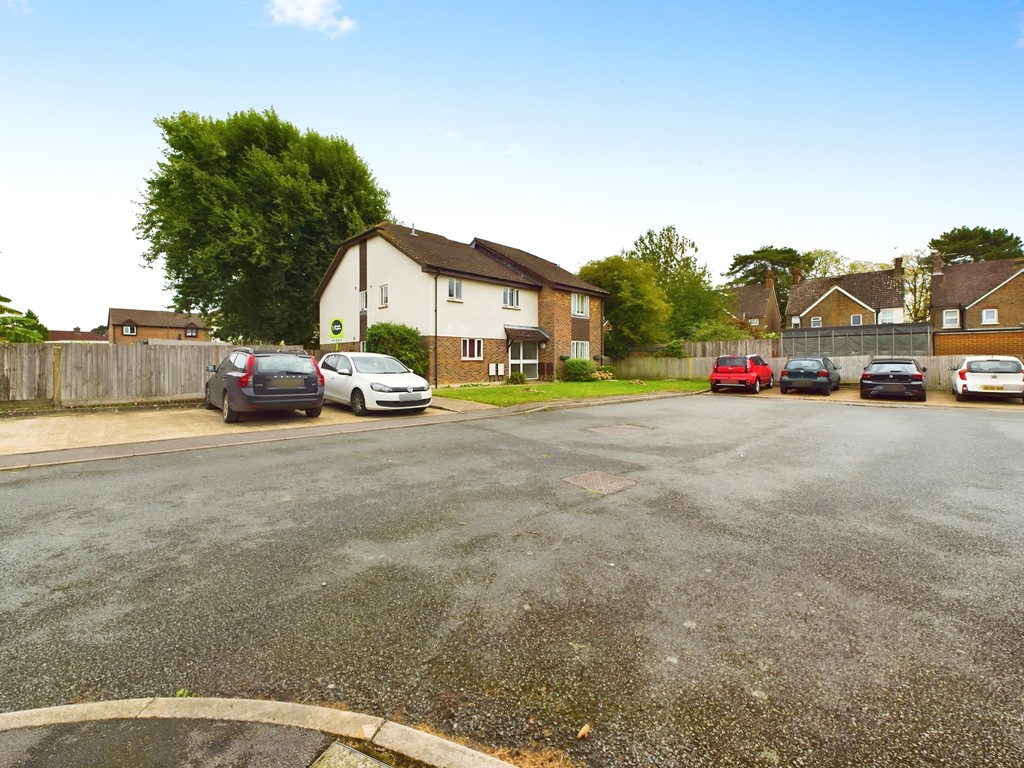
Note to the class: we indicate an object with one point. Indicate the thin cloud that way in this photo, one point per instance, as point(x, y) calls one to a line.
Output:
point(515, 149)
point(1020, 40)
point(317, 15)
point(19, 6)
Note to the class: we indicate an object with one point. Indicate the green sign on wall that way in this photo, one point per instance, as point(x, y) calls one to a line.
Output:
point(337, 328)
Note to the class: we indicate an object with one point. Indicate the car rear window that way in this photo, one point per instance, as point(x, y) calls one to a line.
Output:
point(994, 366)
point(802, 364)
point(284, 364)
point(728, 361)
point(892, 368)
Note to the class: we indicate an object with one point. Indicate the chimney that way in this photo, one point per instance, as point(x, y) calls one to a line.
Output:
point(897, 265)
point(769, 279)
point(797, 274)
point(937, 264)
point(77, 329)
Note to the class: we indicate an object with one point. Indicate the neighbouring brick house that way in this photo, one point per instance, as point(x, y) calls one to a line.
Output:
point(484, 309)
point(758, 305)
point(76, 335)
point(978, 308)
point(132, 326)
point(862, 298)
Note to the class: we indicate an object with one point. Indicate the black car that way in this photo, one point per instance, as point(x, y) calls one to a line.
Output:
point(894, 377)
point(815, 374)
point(249, 380)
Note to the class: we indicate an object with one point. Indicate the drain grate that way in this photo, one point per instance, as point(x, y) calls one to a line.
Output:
point(600, 482)
point(618, 429)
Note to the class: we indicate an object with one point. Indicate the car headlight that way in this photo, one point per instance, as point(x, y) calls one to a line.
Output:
point(380, 387)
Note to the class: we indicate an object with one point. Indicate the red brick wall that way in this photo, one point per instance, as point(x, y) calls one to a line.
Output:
point(452, 369)
point(1008, 300)
point(1007, 342)
point(836, 311)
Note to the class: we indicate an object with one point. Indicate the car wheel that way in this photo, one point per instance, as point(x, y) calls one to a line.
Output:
point(771, 381)
point(313, 412)
point(863, 395)
point(714, 388)
point(230, 415)
point(828, 390)
point(924, 397)
point(358, 403)
point(783, 390)
point(757, 386)
point(209, 404)
point(960, 396)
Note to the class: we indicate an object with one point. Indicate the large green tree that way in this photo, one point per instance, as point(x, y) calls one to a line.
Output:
point(686, 283)
point(966, 244)
point(16, 326)
point(247, 213)
point(636, 308)
point(752, 269)
point(826, 263)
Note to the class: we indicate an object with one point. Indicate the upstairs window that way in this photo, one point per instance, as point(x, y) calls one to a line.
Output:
point(990, 317)
point(754, 322)
point(191, 332)
point(887, 317)
point(129, 330)
point(363, 301)
point(510, 297)
point(454, 289)
point(795, 321)
point(856, 319)
point(580, 305)
point(815, 322)
point(383, 296)
point(951, 318)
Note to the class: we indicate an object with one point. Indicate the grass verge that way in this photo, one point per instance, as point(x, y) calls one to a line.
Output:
point(540, 392)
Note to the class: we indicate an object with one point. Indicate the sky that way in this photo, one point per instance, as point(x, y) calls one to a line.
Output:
point(566, 129)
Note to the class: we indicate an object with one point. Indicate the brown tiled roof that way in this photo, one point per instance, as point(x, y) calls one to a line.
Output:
point(966, 283)
point(537, 268)
point(526, 333)
point(76, 336)
point(874, 289)
point(751, 300)
point(153, 318)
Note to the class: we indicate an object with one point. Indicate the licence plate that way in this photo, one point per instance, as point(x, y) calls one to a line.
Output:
point(992, 387)
point(893, 388)
point(285, 382)
point(409, 396)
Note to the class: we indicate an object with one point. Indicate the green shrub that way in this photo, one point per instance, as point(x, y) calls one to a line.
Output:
point(578, 369)
point(673, 349)
point(401, 341)
point(516, 377)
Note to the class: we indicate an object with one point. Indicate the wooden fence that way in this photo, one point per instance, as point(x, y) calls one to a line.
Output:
point(850, 367)
point(81, 374)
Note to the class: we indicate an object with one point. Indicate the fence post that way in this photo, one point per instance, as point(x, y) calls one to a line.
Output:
point(58, 353)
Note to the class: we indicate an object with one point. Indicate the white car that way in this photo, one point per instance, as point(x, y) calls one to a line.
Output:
point(366, 381)
point(999, 375)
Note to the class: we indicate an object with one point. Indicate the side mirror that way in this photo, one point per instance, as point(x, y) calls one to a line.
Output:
point(211, 368)
point(951, 368)
point(345, 371)
point(924, 370)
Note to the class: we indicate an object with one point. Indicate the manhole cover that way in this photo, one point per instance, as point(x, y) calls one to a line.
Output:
point(600, 482)
point(618, 429)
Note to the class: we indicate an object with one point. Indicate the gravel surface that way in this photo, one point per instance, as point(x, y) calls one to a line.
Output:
point(788, 582)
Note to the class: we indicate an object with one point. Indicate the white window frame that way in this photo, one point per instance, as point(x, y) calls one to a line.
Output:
point(856, 319)
point(580, 305)
point(815, 322)
point(795, 321)
point(754, 322)
point(192, 333)
point(951, 318)
point(472, 349)
point(510, 297)
point(364, 301)
point(129, 330)
point(990, 316)
point(454, 289)
point(579, 349)
point(887, 317)
point(384, 295)
point(519, 361)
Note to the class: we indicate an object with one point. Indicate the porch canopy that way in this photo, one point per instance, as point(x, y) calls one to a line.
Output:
point(525, 333)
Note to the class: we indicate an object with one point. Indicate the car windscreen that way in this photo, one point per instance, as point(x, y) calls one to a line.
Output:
point(994, 366)
point(284, 364)
point(805, 365)
point(730, 361)
point(378, 365)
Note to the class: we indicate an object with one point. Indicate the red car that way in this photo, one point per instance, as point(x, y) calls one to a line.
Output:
point(746, 371)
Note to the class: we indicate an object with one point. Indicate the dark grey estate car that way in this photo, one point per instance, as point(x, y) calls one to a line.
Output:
point(817, 374)
point(250, 380)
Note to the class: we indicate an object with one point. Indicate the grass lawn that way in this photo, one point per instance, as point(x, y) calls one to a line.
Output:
point(542, 391)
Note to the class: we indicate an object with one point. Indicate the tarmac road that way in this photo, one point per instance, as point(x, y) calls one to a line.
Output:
point(704, 580)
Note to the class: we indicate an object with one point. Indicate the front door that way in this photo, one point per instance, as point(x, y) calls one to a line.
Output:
point(522, 356)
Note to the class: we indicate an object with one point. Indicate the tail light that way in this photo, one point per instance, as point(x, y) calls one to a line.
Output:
point(319, 373)
point(963, 375)
point(246, 378)
point(917, 377)
point(784, 372)
point(864, 375)
point(822, 374)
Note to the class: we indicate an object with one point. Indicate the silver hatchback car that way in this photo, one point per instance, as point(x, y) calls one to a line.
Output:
point(999, 375)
